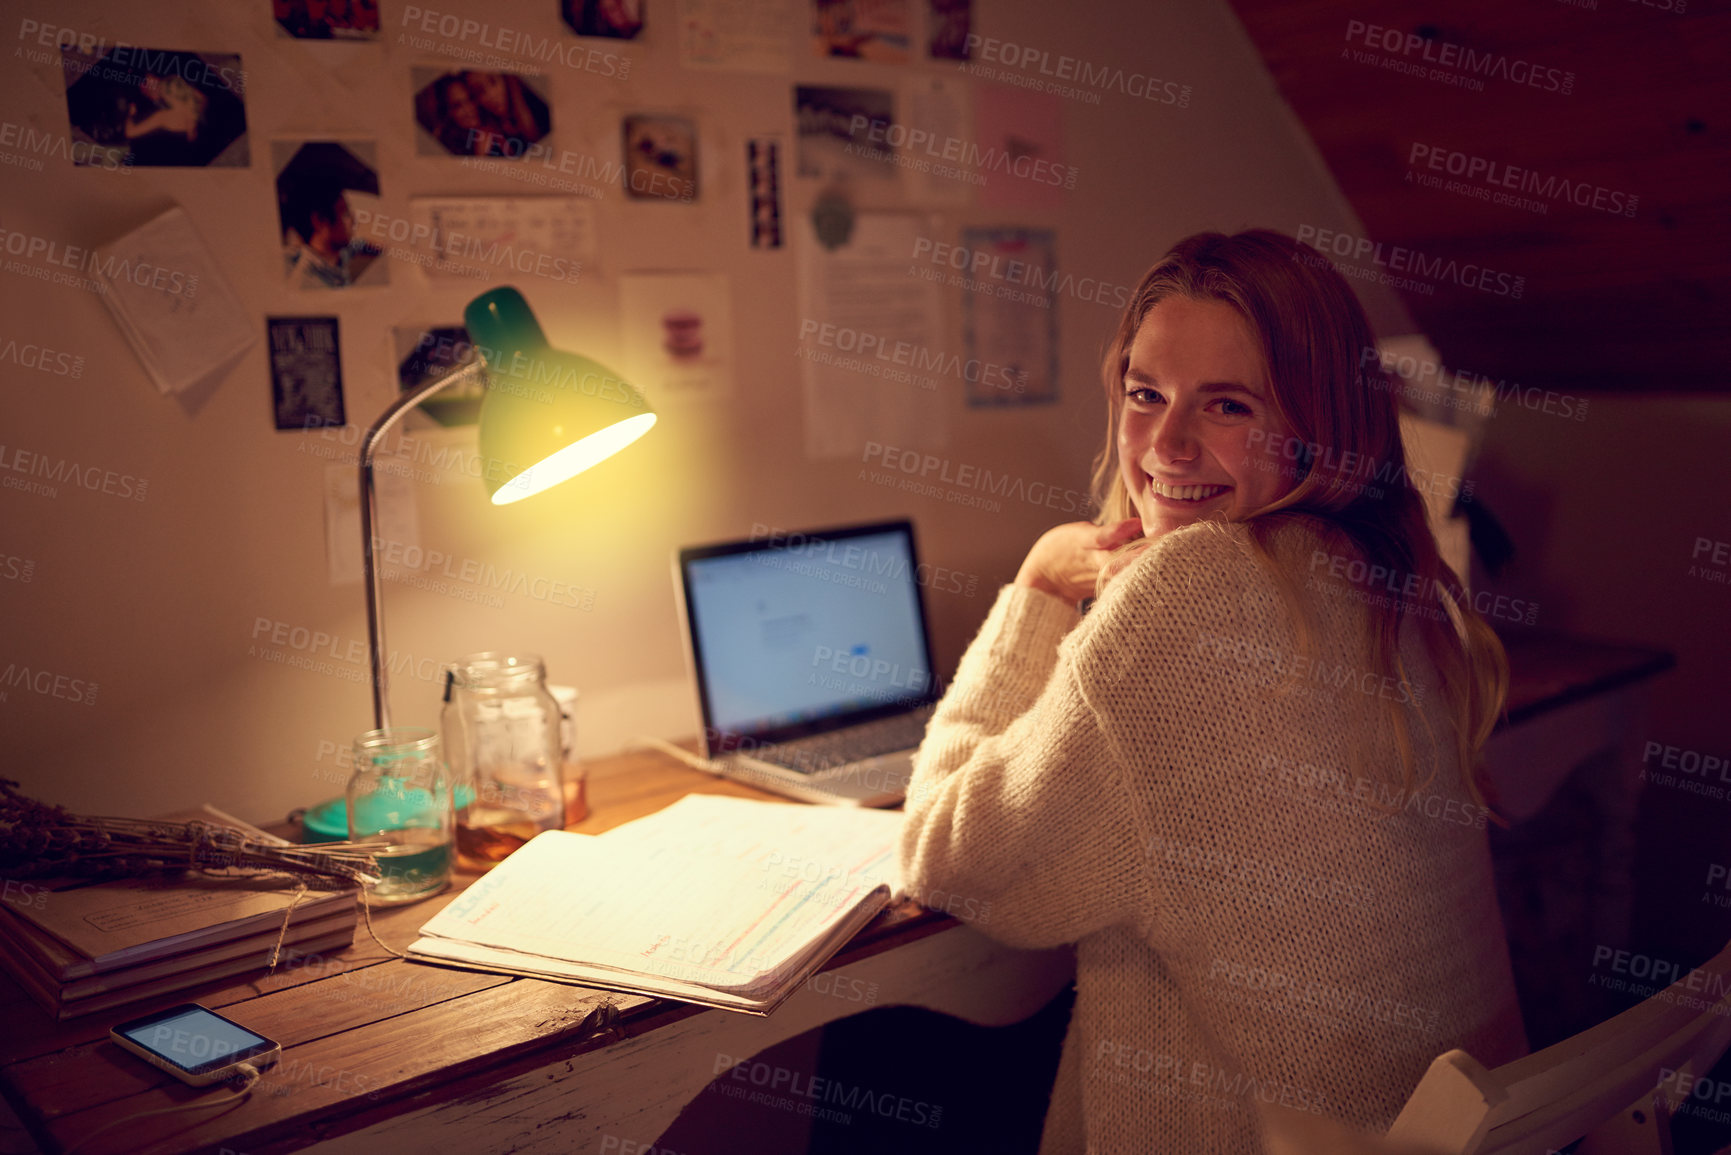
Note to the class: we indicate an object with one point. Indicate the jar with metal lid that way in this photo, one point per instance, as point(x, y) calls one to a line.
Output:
point(502, 738)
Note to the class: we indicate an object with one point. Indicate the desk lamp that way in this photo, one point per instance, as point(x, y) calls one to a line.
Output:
point(556, 413)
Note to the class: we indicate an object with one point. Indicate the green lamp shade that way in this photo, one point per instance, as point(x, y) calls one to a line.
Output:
point(548, 414)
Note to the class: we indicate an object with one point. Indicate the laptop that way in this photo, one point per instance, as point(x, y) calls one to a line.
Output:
point(811, 660)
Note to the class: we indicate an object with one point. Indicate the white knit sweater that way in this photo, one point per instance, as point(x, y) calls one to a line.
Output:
point(1249, 924)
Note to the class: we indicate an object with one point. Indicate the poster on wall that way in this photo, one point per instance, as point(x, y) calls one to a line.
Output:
point(306, 372)
point(873, 363)
point(326, 19)
point(427, 353)
point(942, 169)
point(614, 19)
point(875, 30)
point(736, 35)
point(763, 166)
point(169, 295)
point(396, 526)
point(320, 187)
point(141, 106)
point(660, 158)
point(480, 238)
point(678, 334)
point(836, 129)
point(947, 25)
point(474, 112)
point(1009, 322)
point(1021, 137)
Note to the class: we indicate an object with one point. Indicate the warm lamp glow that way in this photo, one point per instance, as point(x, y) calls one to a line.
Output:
point(573, 459)
point(548, 414)
point(559, 411)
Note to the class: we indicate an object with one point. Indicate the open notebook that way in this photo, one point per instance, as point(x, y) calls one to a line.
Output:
point(728, 902)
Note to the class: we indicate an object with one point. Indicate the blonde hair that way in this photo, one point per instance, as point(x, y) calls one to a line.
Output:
point(1351, 486)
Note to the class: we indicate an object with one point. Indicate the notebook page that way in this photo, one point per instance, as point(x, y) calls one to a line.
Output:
point(535, 966)
point(789, 839)
point(653, 908)
point(759, 997)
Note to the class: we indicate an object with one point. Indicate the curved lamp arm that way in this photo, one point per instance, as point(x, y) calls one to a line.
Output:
point(369, 497)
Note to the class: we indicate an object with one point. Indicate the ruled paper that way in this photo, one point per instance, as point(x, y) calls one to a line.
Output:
point(722, 893)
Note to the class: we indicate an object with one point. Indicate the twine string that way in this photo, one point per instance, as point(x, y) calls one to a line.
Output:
point(282, 932)
point(367, 913)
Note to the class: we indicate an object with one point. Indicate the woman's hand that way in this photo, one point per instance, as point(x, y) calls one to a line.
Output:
point(1067, 560)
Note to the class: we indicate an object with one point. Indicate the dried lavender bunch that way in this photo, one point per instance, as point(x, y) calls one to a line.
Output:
point(40, 840)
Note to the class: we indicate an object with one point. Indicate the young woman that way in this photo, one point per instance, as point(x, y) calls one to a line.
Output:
point(1245, 783)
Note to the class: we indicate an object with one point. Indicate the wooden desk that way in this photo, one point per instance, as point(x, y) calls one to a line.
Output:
point(1549, 672)
point(382, 1055)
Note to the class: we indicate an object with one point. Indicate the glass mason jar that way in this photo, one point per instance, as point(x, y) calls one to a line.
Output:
point(400, 793)
point(502, 731)
point(576, 800)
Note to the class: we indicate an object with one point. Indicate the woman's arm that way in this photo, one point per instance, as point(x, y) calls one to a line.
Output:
point(180, 116)
point(1021, 807)
point(1009, 821)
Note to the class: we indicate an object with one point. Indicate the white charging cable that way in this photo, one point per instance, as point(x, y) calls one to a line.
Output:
point(245, 1071)
point(695, 761)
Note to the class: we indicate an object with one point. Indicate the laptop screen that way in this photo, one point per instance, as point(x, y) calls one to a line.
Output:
point(797, 634)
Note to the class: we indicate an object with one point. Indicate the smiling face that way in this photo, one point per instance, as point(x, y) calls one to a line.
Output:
point(460, 107)
point(333, 228)
point(490, 90)
point(1196, 390)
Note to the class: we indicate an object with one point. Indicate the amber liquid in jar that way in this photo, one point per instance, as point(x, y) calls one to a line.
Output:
point(576, 794)
point(483, 846)
point(486, 837)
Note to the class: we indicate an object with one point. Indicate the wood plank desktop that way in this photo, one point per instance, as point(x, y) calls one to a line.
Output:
point(1570, 699)
point(380, 1054)
point(1548, 671)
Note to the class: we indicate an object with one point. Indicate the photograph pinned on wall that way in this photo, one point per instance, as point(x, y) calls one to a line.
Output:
point(678, 334)
point(853, 284)
point(734, 35)
point(306, 372)
point(948, 23)
point(763, 165)
point(614, 19)
point(835, 127)
point(660, 158)
point(139, 106)
point(1021, 137)
point(490, 238)
point(875, 30)
point(182, 316)
point(1010, 329)
point(940, 105)
point(474, 112)
point(397, 516)
point(319, 186)
point(427, 353)
point(326, 19)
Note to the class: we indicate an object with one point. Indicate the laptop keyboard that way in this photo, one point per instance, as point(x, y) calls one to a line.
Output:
point(831, 751)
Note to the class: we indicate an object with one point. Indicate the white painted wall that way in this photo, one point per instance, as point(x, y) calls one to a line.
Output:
point(157, 602)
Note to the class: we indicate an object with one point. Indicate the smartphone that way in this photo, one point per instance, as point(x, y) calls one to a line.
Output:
point(195, 1044)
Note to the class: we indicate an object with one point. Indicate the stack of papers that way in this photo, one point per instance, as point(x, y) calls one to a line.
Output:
point(727, 902)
